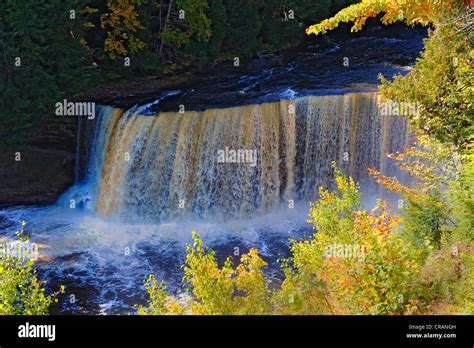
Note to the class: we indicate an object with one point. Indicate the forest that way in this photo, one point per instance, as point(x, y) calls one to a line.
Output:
point(411, 259)
point(72, 45)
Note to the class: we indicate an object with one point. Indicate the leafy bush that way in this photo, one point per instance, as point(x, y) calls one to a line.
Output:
point(426, 206)
point(355, 263)
point(216, 290)
point(441, 84)
point(21, 292)
point(438, 211)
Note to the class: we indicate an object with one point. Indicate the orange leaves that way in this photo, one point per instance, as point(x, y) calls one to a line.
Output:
point(370, 282)
point(379, 224)
point(115, 45)
point(390, 183)
point(429, 162)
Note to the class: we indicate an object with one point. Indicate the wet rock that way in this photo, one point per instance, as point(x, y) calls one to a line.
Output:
point(267, 61)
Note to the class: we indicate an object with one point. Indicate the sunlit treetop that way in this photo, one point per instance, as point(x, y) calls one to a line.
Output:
point(411, 12)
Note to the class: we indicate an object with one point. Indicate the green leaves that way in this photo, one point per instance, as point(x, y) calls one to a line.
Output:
point(157, 301)
point(441, 83)
point(21, 293)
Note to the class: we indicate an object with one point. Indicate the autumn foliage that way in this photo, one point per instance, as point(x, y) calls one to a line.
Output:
point(382, 275)
point(410, 12)
point(122, 22)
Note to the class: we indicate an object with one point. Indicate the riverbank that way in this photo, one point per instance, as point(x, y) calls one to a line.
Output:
point(333, 64)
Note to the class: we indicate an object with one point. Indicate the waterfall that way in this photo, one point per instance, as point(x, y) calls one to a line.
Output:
point(169, 165)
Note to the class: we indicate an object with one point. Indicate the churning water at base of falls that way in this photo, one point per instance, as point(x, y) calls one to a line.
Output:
point(103, 262)
point(151, 179)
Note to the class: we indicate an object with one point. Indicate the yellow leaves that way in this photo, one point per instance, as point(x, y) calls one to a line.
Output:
point(382, 280)
point(21, 292)
point(411, 12)
point(428, 162)
point(357, 13)
point(361, 285)
point(114, 46)
point(250, 262)
point(341, 183)
point(87, 26)
point(122, 21)
point(214, 288)
point(159, 303)
point(90, 10)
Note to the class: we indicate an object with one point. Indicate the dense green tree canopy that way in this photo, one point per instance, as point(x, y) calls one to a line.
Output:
point(42, 59)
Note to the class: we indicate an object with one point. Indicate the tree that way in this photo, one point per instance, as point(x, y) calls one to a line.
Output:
point(243, 27)
point(43, 60)
point(411, 12)
point(284, 20)
point(186, 22)
point(442, 78)
point(122, 22)
point(425, 206)
point(21, 293)
point(355, 263)
point(441, 83)
point(217, 16)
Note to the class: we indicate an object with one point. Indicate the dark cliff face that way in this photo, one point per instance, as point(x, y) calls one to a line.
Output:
point(38, 172)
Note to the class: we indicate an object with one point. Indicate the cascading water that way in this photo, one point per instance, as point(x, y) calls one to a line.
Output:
point(162, 167)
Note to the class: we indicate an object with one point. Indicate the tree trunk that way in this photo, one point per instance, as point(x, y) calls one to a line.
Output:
point(164, 27)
